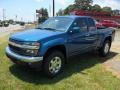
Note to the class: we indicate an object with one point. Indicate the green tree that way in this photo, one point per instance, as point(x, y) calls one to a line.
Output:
point(42, 14)
point(69, 9)
point(107, 9)
point(60, 12)
point(83, 4)
point(96, 7)
point(79, 5)
point(10, 21)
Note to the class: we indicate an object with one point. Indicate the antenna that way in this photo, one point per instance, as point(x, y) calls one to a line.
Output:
point(53, 8)
point(49, 10)
point(3, 14)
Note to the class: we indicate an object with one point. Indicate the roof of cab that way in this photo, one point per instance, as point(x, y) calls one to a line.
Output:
point(74, 16)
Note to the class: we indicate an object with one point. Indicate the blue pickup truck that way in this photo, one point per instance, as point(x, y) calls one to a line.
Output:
point(51, 44)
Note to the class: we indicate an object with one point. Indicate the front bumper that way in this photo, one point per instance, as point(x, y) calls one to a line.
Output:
point(21, 58)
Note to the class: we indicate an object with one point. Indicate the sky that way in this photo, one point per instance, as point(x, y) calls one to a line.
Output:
point(25, 9)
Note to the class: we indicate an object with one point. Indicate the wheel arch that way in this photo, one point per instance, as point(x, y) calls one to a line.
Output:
point(60, 48)
point(109, 38)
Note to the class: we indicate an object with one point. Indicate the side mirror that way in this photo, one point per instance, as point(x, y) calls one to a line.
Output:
point(75, 30)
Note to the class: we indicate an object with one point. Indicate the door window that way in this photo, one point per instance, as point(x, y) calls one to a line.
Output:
point(81, 23)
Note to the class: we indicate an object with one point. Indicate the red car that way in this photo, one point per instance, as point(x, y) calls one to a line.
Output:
point(110, 23)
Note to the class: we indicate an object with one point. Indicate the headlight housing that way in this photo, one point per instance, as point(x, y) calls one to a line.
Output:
point(32, 52)
point(31, 45)
point(32, 48)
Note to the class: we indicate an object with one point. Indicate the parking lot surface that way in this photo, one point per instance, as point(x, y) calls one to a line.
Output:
point(4, 30)
point(113, 64)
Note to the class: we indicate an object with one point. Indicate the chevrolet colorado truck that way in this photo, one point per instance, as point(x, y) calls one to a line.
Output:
point(51, 44)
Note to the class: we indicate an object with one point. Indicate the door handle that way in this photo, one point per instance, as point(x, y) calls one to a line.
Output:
point(87, 35)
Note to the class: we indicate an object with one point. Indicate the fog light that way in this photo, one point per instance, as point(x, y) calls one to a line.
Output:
point(30, 51)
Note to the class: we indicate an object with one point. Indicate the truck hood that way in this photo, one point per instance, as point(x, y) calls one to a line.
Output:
point(34, 35)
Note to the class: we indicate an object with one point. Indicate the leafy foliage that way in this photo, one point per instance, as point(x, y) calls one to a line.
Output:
point(83, 4)
point(69, 9)
point(42, 14)
point(107, 9)
point(60, 12)
point(87, 5)
point(96, 7)
point(10, 21)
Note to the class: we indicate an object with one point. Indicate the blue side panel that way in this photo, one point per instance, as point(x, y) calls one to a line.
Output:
point(103, 34)
point(51, 43)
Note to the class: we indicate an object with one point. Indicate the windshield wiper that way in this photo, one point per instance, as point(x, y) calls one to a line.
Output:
point(52, 29)
point(49, 28)
point(39, 28)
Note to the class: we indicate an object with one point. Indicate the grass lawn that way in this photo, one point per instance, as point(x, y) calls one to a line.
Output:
point(84, 72)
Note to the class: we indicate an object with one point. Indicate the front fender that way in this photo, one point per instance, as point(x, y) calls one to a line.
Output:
point(51, 43)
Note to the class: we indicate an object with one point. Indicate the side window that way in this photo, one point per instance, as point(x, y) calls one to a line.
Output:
point(82, 23)
point(91, 24)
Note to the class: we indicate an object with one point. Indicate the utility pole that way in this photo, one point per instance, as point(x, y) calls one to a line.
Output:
point(50, 11)
point(16, 17)
point(34, 15)
point(21, 19)
point(3, 14)
point(53, 8)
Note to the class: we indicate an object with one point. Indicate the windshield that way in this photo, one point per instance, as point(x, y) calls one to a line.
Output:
point(57, 23)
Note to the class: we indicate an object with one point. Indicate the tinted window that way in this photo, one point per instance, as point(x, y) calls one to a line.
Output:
point(91, 24)
point(82, 23)
point(57, 23)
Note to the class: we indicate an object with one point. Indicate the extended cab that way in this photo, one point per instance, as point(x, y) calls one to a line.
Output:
point(51, 44)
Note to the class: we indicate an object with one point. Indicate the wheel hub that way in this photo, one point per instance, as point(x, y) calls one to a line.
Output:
point(106, 49)
point(55, 65)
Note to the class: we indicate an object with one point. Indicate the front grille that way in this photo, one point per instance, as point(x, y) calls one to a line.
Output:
point(20, 51)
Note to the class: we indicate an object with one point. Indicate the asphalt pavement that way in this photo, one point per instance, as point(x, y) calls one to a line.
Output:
point(4, 30)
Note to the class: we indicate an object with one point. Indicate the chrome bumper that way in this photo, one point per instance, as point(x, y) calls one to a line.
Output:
point(23, 58)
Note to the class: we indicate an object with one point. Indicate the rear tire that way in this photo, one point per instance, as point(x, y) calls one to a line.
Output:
point(53, 64)
point(105, 49)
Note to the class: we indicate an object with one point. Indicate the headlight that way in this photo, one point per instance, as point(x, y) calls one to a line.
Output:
point(32, 43)
point(32, 52)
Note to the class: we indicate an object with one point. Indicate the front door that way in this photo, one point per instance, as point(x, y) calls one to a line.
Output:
point(78, 42)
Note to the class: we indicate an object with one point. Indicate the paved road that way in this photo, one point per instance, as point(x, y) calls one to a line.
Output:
point(117, 37)
point(113, 64)
point(4, 30)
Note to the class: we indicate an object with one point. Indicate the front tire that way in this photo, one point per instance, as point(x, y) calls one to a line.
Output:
point(104, 51)
point(53, 63)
